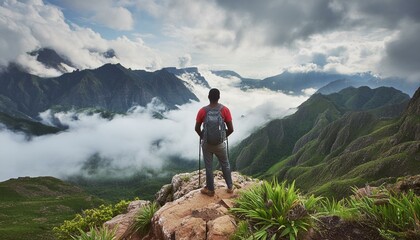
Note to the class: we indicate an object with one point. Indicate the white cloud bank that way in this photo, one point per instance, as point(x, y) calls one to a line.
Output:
point(137, 140)
point(30, 25)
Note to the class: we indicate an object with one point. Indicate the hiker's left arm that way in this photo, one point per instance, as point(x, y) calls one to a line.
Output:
point(198, 128)
point(229, 128)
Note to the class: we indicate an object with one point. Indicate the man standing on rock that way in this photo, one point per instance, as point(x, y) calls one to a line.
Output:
point(215, 118)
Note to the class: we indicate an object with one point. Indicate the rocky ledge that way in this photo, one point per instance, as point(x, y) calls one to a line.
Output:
point(186, 213)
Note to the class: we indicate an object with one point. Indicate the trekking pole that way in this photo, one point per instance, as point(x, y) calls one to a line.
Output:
point(227, 149)
point(199, 162)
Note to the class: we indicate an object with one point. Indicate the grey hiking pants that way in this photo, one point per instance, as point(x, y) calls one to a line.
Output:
point(221, 153)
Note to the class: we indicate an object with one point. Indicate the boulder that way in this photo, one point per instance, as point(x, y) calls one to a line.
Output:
point(221, 228)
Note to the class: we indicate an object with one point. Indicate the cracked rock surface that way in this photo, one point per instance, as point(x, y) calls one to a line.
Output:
point(193, 215)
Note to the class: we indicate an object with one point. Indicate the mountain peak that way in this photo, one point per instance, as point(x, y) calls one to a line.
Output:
point(189, 75)
point(226, 73)
point(414, 104)
point(51, 59)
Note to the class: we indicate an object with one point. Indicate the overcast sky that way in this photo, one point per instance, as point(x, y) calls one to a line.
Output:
point(254, 38)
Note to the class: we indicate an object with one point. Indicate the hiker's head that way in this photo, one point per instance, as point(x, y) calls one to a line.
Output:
point(214, 95)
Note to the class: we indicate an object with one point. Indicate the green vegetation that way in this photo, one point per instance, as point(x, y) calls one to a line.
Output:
point(274, 210)
point(96, 234)
point(88, 219)
point(350, 138)
point(31, 207)
point(397, 218)
point(342, 209)
point(278, 211)
point(143, 219)
point(26, 126)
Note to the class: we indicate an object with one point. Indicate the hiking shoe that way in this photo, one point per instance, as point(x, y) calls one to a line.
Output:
point(206, 191)
point(230, 190)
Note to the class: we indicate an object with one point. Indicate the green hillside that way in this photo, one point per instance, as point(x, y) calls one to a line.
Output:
point(27, 126)
point(31, 207)
point(336, 141)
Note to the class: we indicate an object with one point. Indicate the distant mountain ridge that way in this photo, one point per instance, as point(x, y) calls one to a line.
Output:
point(326, 83)
point(401, 84)
point(192, 73)
point(111, 87)
point(335, 140)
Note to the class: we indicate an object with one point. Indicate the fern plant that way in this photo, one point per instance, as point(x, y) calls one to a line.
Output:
point(275, 210)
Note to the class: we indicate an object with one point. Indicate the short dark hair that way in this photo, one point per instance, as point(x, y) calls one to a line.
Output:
point(214, 94)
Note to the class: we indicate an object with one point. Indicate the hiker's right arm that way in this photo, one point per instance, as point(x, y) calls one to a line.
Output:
point(229, 130)
point(199, 120)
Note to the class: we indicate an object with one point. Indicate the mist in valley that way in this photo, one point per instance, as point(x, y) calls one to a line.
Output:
point(145, 138)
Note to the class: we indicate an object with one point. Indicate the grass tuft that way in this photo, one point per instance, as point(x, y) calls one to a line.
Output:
point(143, 219)
point(396, 218)
point(275, 210)
point(96, 234)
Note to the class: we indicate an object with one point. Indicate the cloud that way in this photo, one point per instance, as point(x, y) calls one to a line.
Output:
point(30, 25)
point(105, 12)
point(382, 13)
point(284, 22)
point(401, 55)
point(309, 91)
point(118, 18)
point(360, 30)
point(254, 38)
point(137, 140)
point(184, 61)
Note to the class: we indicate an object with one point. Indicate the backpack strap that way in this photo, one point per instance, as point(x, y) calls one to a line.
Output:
point(218, 107)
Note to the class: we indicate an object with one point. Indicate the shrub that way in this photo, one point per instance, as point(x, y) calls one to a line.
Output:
point(96, 234)
point(275, 210)
point(88, 219)
point(143, 218)
point(397, 219)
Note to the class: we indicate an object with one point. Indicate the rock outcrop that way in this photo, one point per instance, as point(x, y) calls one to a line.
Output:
point(192, 215)
point(186, 213)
